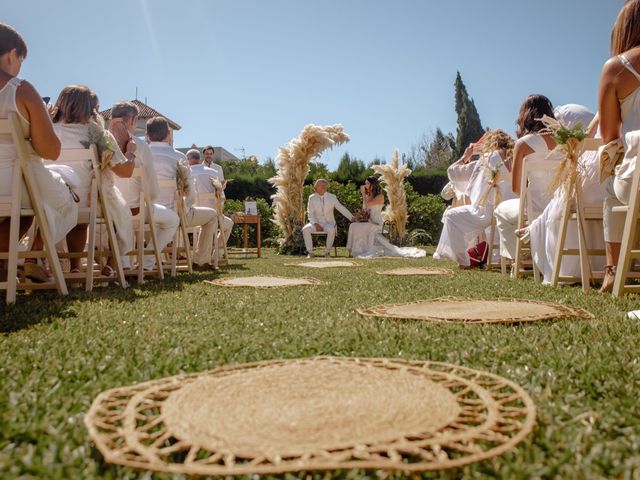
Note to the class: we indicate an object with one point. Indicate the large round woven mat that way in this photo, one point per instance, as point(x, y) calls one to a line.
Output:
point(469, 310)
point(263, 281)
point(321, 413)
point(325, 264)
point(417, 271)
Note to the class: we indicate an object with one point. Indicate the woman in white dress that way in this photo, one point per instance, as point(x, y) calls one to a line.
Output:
point(365, 239)
point(543, 231)
point(619, 109)
point(74, 114)
point(531, 145)
point(19, 96)
point(465, 225)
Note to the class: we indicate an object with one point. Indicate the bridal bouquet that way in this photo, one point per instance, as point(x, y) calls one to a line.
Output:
point(361, 216)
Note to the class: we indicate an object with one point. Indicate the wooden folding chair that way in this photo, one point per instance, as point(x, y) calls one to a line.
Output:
point(629, 249)
point(325, 234)
point(219, 240)
point(145, 223)
point(97, 216)
point(583, 213)
point(180, 246)
point(10, 206)
point(493, 244)
point(527, 214)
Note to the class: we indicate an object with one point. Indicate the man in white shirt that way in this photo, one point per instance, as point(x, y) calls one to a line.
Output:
point(208, 153)
point(320, 212)
point(169, 164)
point(203, 176)
point(166, 220)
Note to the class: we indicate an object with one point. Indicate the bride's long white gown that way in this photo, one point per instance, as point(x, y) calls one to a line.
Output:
point(365, 239)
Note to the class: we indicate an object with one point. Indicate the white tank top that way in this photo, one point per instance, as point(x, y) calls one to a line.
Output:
point(8, 105)
point(630, 105)
point(539, 188)
point(630, 114)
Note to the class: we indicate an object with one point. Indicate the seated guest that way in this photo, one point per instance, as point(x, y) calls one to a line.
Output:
point(618, 106)
point(204, 185)
point(124, 117)
point(172, 165)
point(543, 231)
point(21, 97)
point(488, 185)
point(532, 145)
point(459, 173)
point(320, 208)
point(75, 118)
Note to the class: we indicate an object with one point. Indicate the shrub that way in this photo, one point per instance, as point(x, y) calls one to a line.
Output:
point(428, 180)
point(269, 231)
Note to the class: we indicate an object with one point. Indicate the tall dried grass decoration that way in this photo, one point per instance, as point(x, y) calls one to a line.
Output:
point(293, 167)
point(392, 177)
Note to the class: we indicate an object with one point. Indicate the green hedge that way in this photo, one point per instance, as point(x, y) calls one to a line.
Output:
point(428, 180)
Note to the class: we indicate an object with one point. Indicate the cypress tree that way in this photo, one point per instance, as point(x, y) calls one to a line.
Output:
point(469, 126)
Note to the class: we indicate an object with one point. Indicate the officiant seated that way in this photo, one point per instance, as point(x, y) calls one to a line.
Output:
point(320, 212)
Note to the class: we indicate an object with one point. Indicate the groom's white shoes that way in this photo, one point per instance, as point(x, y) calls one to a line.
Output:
point(310, 255)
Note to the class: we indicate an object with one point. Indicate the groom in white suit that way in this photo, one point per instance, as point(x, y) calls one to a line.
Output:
point(320, 212)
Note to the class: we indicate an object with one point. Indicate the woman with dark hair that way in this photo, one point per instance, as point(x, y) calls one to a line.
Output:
point(20, 97)
point(619, 110)
point(365, 233)
point(531, 145)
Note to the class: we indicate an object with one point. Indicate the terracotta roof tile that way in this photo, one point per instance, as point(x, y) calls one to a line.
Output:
point(146, 112)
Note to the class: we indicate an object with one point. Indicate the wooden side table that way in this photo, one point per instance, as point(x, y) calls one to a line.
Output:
point(245, 221)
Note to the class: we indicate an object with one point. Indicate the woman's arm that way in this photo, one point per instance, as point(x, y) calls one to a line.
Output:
point(608, 103)
point(520, 151)
point(44, 140)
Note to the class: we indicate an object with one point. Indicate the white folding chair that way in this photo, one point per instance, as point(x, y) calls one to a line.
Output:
point(145, 224)
point(527, 213)
point(96, 215)
point(180, 245)
point(220, 244)
point(629, 249)
point(583, 213)
point(10, 206)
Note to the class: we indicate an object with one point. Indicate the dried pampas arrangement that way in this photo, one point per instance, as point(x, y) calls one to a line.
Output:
point(392, 177)
point(293, 167)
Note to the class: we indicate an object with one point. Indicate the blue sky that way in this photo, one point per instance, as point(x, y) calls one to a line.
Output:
point(251, 73)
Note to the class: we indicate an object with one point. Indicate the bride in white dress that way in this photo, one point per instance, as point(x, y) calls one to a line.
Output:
point(365, 239)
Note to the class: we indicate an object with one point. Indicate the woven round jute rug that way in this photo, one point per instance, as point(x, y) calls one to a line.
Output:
point(321, 413)
point(470, 310)
point(325, 264)
point(263, 281)
point(417, 271)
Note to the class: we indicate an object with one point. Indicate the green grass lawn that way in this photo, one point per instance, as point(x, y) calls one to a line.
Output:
point(57, 354)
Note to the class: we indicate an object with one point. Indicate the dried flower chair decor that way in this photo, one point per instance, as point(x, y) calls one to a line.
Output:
point(395, 213)
point(572, 143)
point(293, 167)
